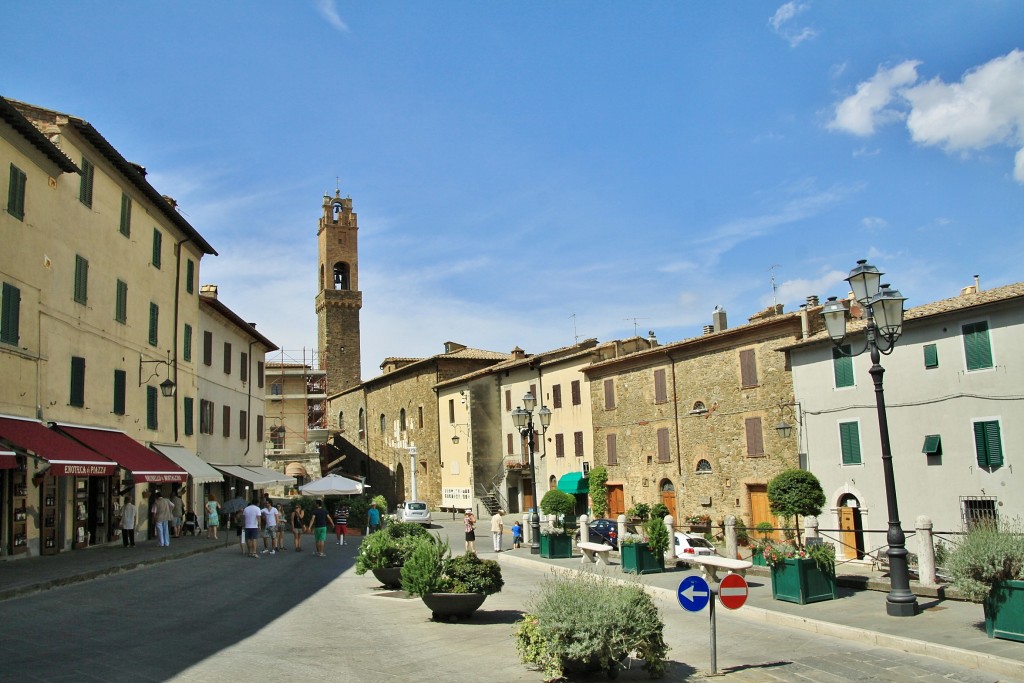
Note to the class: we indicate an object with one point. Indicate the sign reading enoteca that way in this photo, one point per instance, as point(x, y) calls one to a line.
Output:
point(81, 470)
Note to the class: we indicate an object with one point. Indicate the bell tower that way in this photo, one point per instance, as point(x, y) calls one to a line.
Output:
point(338, 298)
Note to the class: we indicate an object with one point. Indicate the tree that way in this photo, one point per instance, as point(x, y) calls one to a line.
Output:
point(795, 492)
point(556, 504)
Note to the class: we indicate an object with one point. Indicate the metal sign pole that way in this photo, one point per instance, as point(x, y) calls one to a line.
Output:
point(714, 637)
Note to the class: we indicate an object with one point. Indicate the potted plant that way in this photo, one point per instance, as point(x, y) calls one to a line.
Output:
point(645, 553)
point(988, 567)
point(659, 511)
point(560, 646)
point(639, 512)
point(554, 541)
point(700, 523)
point(764, 531)
point(795, 492)
point(451, 587)
point(384, 552)
point(801, 575)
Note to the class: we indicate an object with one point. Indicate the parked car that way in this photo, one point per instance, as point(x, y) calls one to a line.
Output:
point(693, 544)
point(607, 531)
point(413, 511)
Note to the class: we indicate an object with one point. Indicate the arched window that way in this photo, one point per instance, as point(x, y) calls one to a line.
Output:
point(321, 276)
point(699, 407)
point(341, 276)
point(382, 423)
point(341, 421)
point(362, 421)
point(667, 486)
point(703, 466)
point(552, 482)
point(401, 420)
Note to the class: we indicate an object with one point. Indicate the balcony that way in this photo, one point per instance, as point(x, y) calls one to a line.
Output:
point(517, 462)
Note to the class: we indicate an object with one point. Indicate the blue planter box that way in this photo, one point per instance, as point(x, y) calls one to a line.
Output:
point(799, 580)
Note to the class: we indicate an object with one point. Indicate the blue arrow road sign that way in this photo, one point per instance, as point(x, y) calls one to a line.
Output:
point(693, 593)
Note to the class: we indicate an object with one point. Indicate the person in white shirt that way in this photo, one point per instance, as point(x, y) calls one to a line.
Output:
point(269, 528)
point(251, 518)
point(497, 529)
point(128, 513)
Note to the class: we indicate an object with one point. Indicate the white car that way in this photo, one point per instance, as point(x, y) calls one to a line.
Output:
point(693, 544)
point(413, 511)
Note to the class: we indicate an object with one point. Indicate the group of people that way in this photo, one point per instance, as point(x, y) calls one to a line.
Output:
point(497, 531)
point(270, 520)
point(169, 517)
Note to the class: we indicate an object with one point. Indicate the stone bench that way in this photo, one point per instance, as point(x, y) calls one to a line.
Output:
point(710, 564)
point(594, 552)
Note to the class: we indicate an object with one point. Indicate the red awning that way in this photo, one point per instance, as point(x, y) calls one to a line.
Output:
point(66, 456)
point(8, 461)
point(146, 466)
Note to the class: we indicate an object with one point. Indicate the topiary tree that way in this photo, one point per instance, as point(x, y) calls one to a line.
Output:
point(659, 511)
point(597, 479)
point(556, 504)
point(795, 492)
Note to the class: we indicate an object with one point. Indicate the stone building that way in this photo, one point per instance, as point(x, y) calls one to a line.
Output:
point(339, 300)
point(296, 404)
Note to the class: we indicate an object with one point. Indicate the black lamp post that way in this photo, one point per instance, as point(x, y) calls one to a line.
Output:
point(884, 325)
point(523, 420)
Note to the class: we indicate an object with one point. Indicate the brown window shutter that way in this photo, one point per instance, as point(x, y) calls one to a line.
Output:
point(660, 389)
point(748, 368)
point(755, 439)
point(508, 400)
point(227, 421)
point(613, 455)
point(664, 455)
point(559, 446)
point(609, 394)
point(576, 399)
point(578, 438)
point(510, 448)
point(556, 396)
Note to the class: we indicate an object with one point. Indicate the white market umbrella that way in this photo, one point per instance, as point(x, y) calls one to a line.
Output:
point(333, 485)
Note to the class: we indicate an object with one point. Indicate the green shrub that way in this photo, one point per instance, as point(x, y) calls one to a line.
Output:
point(639, 511)
point(659, 510)
point(432, 569)
point(557, 504)
point(597, 479)
point(658, 539)
point(421, 573)
point(986, 554)
point(389, 547)
point(580, 622)
point(742, 537)
point(795, 492)
point(470, 574)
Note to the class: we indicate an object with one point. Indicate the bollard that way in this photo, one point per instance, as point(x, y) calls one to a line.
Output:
point(620, 528)
point(670, 525)
point(584, 535)
point(527, 530)
point(810, 527)
point(926, 553)
point(731, 549)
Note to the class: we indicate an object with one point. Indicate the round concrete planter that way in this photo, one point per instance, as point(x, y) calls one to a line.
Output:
point(390, 577)
point(445, 606)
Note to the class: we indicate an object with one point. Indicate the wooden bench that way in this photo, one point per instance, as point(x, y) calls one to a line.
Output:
point(710, 564)
point(594, 552)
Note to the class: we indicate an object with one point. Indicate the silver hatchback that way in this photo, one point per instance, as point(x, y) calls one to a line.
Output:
point(413, 511)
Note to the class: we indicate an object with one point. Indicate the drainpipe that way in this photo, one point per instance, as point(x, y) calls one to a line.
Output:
point(177, 302)
point(248, 403)
point(675, 410)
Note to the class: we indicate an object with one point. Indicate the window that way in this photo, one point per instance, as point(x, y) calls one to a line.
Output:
point(987, 444)
point(383, 423)
point(509, 445)
point(205, 416)
point(611, 447)
point(977, 347)
point(154, 324)
point(451, 411)
point(755, 437)
point(277, 389)
point(85, 185)
point(120, 383)
point(556, 396)
point(609, 394)
point(277, 438)
point(10, 314)
point(243, 424)
point(151, 407)
point(126, 215)
point(259, 373)
point(660, 387)
point(77, 382)
point(362, 422)
point(419, 417)
point(931, 356)
point(190, 276)
point(227, 358)
point(703, 467)
point(16, 193)
point(576, 398)
point(932, 444)
point(81, 280)
point(979, 510)
point(121, 302)
point(664, 454)
point(243, 367)
point(188, 419)
point(842, 366)
point(186, 343)
point(559, 445)
point(226, 420)
point(508, 400)
point(401, 420)
point(158, 240)
point(849, 442)
point(748, 368)
point(207, 348)
point(578, 443)
point(259, 428)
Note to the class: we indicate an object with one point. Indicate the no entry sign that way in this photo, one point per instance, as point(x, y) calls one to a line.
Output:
point(732, 592)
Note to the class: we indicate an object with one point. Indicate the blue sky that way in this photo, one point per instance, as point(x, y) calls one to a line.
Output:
point(526, 173)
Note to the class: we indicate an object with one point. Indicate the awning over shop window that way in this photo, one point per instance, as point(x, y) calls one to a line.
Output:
point(66, 456)
point(259, 477)
point(197, 468)
point(8, 460)
point(574, 483)
point(146, 466)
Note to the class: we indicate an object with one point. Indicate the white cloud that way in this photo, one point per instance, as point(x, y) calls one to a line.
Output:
point(792, 34)
point(863, 111)
point(329, 11)
point(795, 292)
point(874, 223)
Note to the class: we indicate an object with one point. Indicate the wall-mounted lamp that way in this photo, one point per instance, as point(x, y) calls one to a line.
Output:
point(455, 436)
point(785, 429)
point(167, 386)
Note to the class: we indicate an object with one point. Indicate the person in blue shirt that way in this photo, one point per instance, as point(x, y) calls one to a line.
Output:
point(373, 517)
point(517, 534)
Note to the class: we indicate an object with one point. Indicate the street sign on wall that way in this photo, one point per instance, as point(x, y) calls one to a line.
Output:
point(732, 592)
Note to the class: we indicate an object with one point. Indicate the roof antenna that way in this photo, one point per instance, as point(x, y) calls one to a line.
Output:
point(635, 326)
point(775, 287)
point(575, 335)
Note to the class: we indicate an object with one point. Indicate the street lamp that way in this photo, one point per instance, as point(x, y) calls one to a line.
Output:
point(523, 420)
point(167, 386)
point(884, 325)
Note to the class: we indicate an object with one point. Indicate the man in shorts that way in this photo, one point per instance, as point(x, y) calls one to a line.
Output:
point(251, 518)
point(340, 523)
point(269, 528)
point(318, 524)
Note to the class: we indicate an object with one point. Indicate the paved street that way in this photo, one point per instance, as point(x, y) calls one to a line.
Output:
point(220, 616)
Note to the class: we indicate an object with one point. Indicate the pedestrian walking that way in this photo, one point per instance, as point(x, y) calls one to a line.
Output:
point(340, 523)
point(298, 525)
point(162, 515)
point(129, 513)
point(373, 518)
point(251, 518)
point(212, 516)
point(177, 512)
point(280, 529)
point(497, 529)
point(517, 534)
point(469, 521)
point(269, 528)
point(318, 525)
point(239, 520)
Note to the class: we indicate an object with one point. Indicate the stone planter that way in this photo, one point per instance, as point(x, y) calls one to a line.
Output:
point(799, 580)
point(444, 606)
point(390, 577)
point(637, 558)
point(555, 546)
point(1004, 611)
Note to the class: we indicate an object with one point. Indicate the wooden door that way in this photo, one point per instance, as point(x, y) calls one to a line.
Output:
point(527, 495)
point(760, 511)
point(668, 499)
point(851, 534)
point(616, 501)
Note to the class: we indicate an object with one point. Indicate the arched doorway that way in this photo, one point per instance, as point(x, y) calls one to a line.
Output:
point(668, 497)
point(400, 482)
point(851, 528)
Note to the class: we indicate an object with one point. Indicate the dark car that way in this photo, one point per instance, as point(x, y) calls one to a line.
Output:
point(607, 531)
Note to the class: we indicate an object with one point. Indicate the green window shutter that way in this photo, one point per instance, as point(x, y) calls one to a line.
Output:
point(85, 187)
point(126, 215)
point(16, 193)
point(187, 343)
point(154, 320)
point(81, 280)
point(158, 240)
point(77, 382)
point(190, 276)
point(987, 444)
point(931, 356)
point(187, 409)
point(120, 382)
point(849, 442)
point(976, 346)
point(842, 366)
point(10, 319)
point(121, 304)
point(151, 414)
point(932, 444)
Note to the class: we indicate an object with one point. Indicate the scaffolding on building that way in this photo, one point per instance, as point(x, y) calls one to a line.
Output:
point(296, 401)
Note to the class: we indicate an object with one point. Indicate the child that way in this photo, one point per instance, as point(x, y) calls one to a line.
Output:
point(517, 534)
point(191, 523)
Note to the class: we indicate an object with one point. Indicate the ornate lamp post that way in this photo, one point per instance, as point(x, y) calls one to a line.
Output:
point(523, 420)
point(884, 325)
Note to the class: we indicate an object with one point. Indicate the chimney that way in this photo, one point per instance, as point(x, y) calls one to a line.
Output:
point(518, 353)
point(652, 341)
point(708, 329)
point(812, 300)
point(977, 284)
point(172, 201)
point(718, 319)
point(208, 291)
